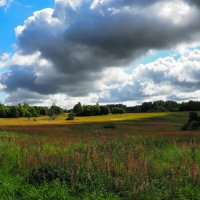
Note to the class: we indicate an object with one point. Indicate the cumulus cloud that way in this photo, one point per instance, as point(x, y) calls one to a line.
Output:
point(67, 50)
point(166, 78)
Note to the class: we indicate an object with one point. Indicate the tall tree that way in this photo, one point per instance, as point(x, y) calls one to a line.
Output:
point(78, 109)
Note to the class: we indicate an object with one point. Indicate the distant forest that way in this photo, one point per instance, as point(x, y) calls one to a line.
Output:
point(25, 110)
point(157, 106)
point(165, 106)
point(28, 111)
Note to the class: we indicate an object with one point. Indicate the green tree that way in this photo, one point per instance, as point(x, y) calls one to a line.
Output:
point(117, 110)
point(78, 109)
point(14, 112)
point(104, 110)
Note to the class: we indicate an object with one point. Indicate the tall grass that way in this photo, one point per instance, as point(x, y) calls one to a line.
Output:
point(124, 168)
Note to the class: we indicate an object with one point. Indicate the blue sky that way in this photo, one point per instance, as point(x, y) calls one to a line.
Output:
point(99, 51)
point(15, 15)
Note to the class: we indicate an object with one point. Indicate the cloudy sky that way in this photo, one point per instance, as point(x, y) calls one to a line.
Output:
point(105, 51)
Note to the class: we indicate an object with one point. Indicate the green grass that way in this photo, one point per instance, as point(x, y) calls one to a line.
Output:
point(170, 117)
point(139, 167)
point(124, 163)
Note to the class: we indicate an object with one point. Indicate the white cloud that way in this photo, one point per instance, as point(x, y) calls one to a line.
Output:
point(72, 3)
point(42, 21)
point(175, 11)
point(24, 60)
point(97, 3)
point(163, 78)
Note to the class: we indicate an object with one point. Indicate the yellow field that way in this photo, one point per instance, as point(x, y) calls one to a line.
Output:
point(78, 120)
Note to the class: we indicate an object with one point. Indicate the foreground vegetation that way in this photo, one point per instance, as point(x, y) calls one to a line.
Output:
point(128, 156)
point(126, 168)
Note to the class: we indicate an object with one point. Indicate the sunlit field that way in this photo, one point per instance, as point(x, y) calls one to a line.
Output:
point(93, 119)
point(127, 156)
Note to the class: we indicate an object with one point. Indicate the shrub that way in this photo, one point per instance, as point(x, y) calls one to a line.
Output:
point(193, 122)
point(47, 174)
point(193, 116)
point(70, 116)
point(184, 127)
point(193, 125)
point(53, 117)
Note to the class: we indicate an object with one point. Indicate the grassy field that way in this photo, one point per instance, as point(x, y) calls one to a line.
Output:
point(79, 120)
point(144, 156)
point(84, 129)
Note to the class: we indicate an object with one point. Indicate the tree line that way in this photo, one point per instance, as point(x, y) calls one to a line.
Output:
point(94, 110)
point(25, 110)
point(28, 111)
point(157, 106)
point(164, 106)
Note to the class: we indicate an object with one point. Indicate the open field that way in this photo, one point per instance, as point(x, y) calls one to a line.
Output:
point(84, 129)
point(145, 156)
point(79, 120)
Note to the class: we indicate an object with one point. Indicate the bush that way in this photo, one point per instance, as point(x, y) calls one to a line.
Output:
point(70, 116)
point(193, 122)
point(47, 174)
point(193, 125)
point(184, 127)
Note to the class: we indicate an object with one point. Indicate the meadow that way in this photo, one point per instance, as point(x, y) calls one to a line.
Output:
point(127, 156)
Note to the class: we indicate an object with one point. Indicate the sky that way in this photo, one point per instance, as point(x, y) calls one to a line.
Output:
point(105, 51)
